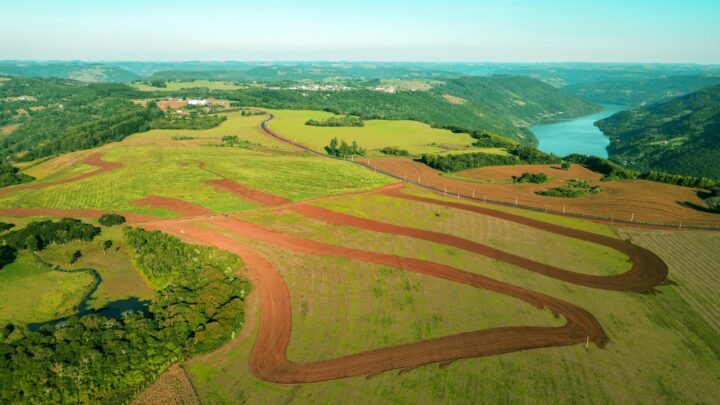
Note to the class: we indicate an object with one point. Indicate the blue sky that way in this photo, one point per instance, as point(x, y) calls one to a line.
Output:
point(449, 30)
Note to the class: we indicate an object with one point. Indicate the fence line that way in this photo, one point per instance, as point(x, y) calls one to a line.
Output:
point(563, 213)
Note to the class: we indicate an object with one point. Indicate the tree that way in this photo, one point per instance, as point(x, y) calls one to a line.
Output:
point(713, 204)
point(111, 220)
point(34, 243)
point(75, 256)
point(7, 255)
point(107, 245)
point(565, 165)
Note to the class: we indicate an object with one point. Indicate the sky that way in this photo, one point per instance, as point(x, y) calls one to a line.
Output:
point(686, 31)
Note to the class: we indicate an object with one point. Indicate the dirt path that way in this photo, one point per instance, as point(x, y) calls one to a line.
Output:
point(269, 362)
point(646, 272)
point(94, 159)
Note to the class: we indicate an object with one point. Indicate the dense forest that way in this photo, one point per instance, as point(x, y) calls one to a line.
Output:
point(681, 136)
point(638, 92)
point(345, 121)
point(197, 308)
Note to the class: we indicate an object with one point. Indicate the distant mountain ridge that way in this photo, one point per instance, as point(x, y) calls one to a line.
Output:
point(679, 136)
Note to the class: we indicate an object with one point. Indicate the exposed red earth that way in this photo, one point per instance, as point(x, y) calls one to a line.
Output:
point(636, 200)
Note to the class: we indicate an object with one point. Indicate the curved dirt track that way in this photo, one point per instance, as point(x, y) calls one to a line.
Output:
point(647, 270)
point(94, 159)
point(269, 361)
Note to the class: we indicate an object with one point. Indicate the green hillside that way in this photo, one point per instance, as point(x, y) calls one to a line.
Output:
point(680, 136)
point(637, 92)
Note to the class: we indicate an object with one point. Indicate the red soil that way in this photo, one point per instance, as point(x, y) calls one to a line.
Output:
point(94, 159)
point(641, 200)
point(173, 204)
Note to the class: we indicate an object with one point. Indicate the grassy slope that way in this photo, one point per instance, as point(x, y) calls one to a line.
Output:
point(651, 356)
point(172, 170)
point(412, 136)
point(30, 291)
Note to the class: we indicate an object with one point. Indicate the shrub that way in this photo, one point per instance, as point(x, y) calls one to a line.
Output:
point(572, 189)
point(537, 178)
point(111, 220)
point(565, 165)
point(394, 151)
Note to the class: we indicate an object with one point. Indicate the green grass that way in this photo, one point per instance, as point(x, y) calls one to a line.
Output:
point(657, 342)
point(174, 86)
point(415, 137)
point(246, 128)
point(30, 291)
point(575, 223)
point(119, 278)
point(173, 171)
point(507, 236)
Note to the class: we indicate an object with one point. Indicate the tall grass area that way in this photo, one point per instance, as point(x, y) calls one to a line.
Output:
point(415, 137)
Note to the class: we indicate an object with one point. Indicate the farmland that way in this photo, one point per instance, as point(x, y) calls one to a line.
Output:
point(414, 137)
point(380, 292)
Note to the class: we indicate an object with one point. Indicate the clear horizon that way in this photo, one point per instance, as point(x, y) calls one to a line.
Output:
point(518, 31)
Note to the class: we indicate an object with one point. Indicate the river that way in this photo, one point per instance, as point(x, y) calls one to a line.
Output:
point(577, 135)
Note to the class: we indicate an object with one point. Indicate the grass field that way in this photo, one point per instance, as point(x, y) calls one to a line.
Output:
point(174, 171)
point(571, 254)
point(693, 259)
point(173, 86)
point(412, 136)
point(660, 350)
point(119, 278)
point(30, 291)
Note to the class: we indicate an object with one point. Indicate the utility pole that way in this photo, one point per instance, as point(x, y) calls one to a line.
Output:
point(632, 217)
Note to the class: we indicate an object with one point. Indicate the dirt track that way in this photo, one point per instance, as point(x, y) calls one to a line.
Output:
point(646, 272)
point(269, 361)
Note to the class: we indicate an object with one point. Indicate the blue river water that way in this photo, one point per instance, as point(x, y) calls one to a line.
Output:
point(577, 135)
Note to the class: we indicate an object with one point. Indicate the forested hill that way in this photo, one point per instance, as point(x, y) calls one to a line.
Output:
point(680, 136)
point(44, 117)
point(503, 105)
point(640, 92)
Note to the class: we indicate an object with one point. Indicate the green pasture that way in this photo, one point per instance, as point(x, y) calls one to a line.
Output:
point(30, 291)
point(174, 171)
point(412, 136)
point(657, 342)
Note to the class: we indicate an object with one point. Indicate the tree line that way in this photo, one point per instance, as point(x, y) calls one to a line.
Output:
point(107, 360)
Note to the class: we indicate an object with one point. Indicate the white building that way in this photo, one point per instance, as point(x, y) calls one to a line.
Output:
point(198, 102)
